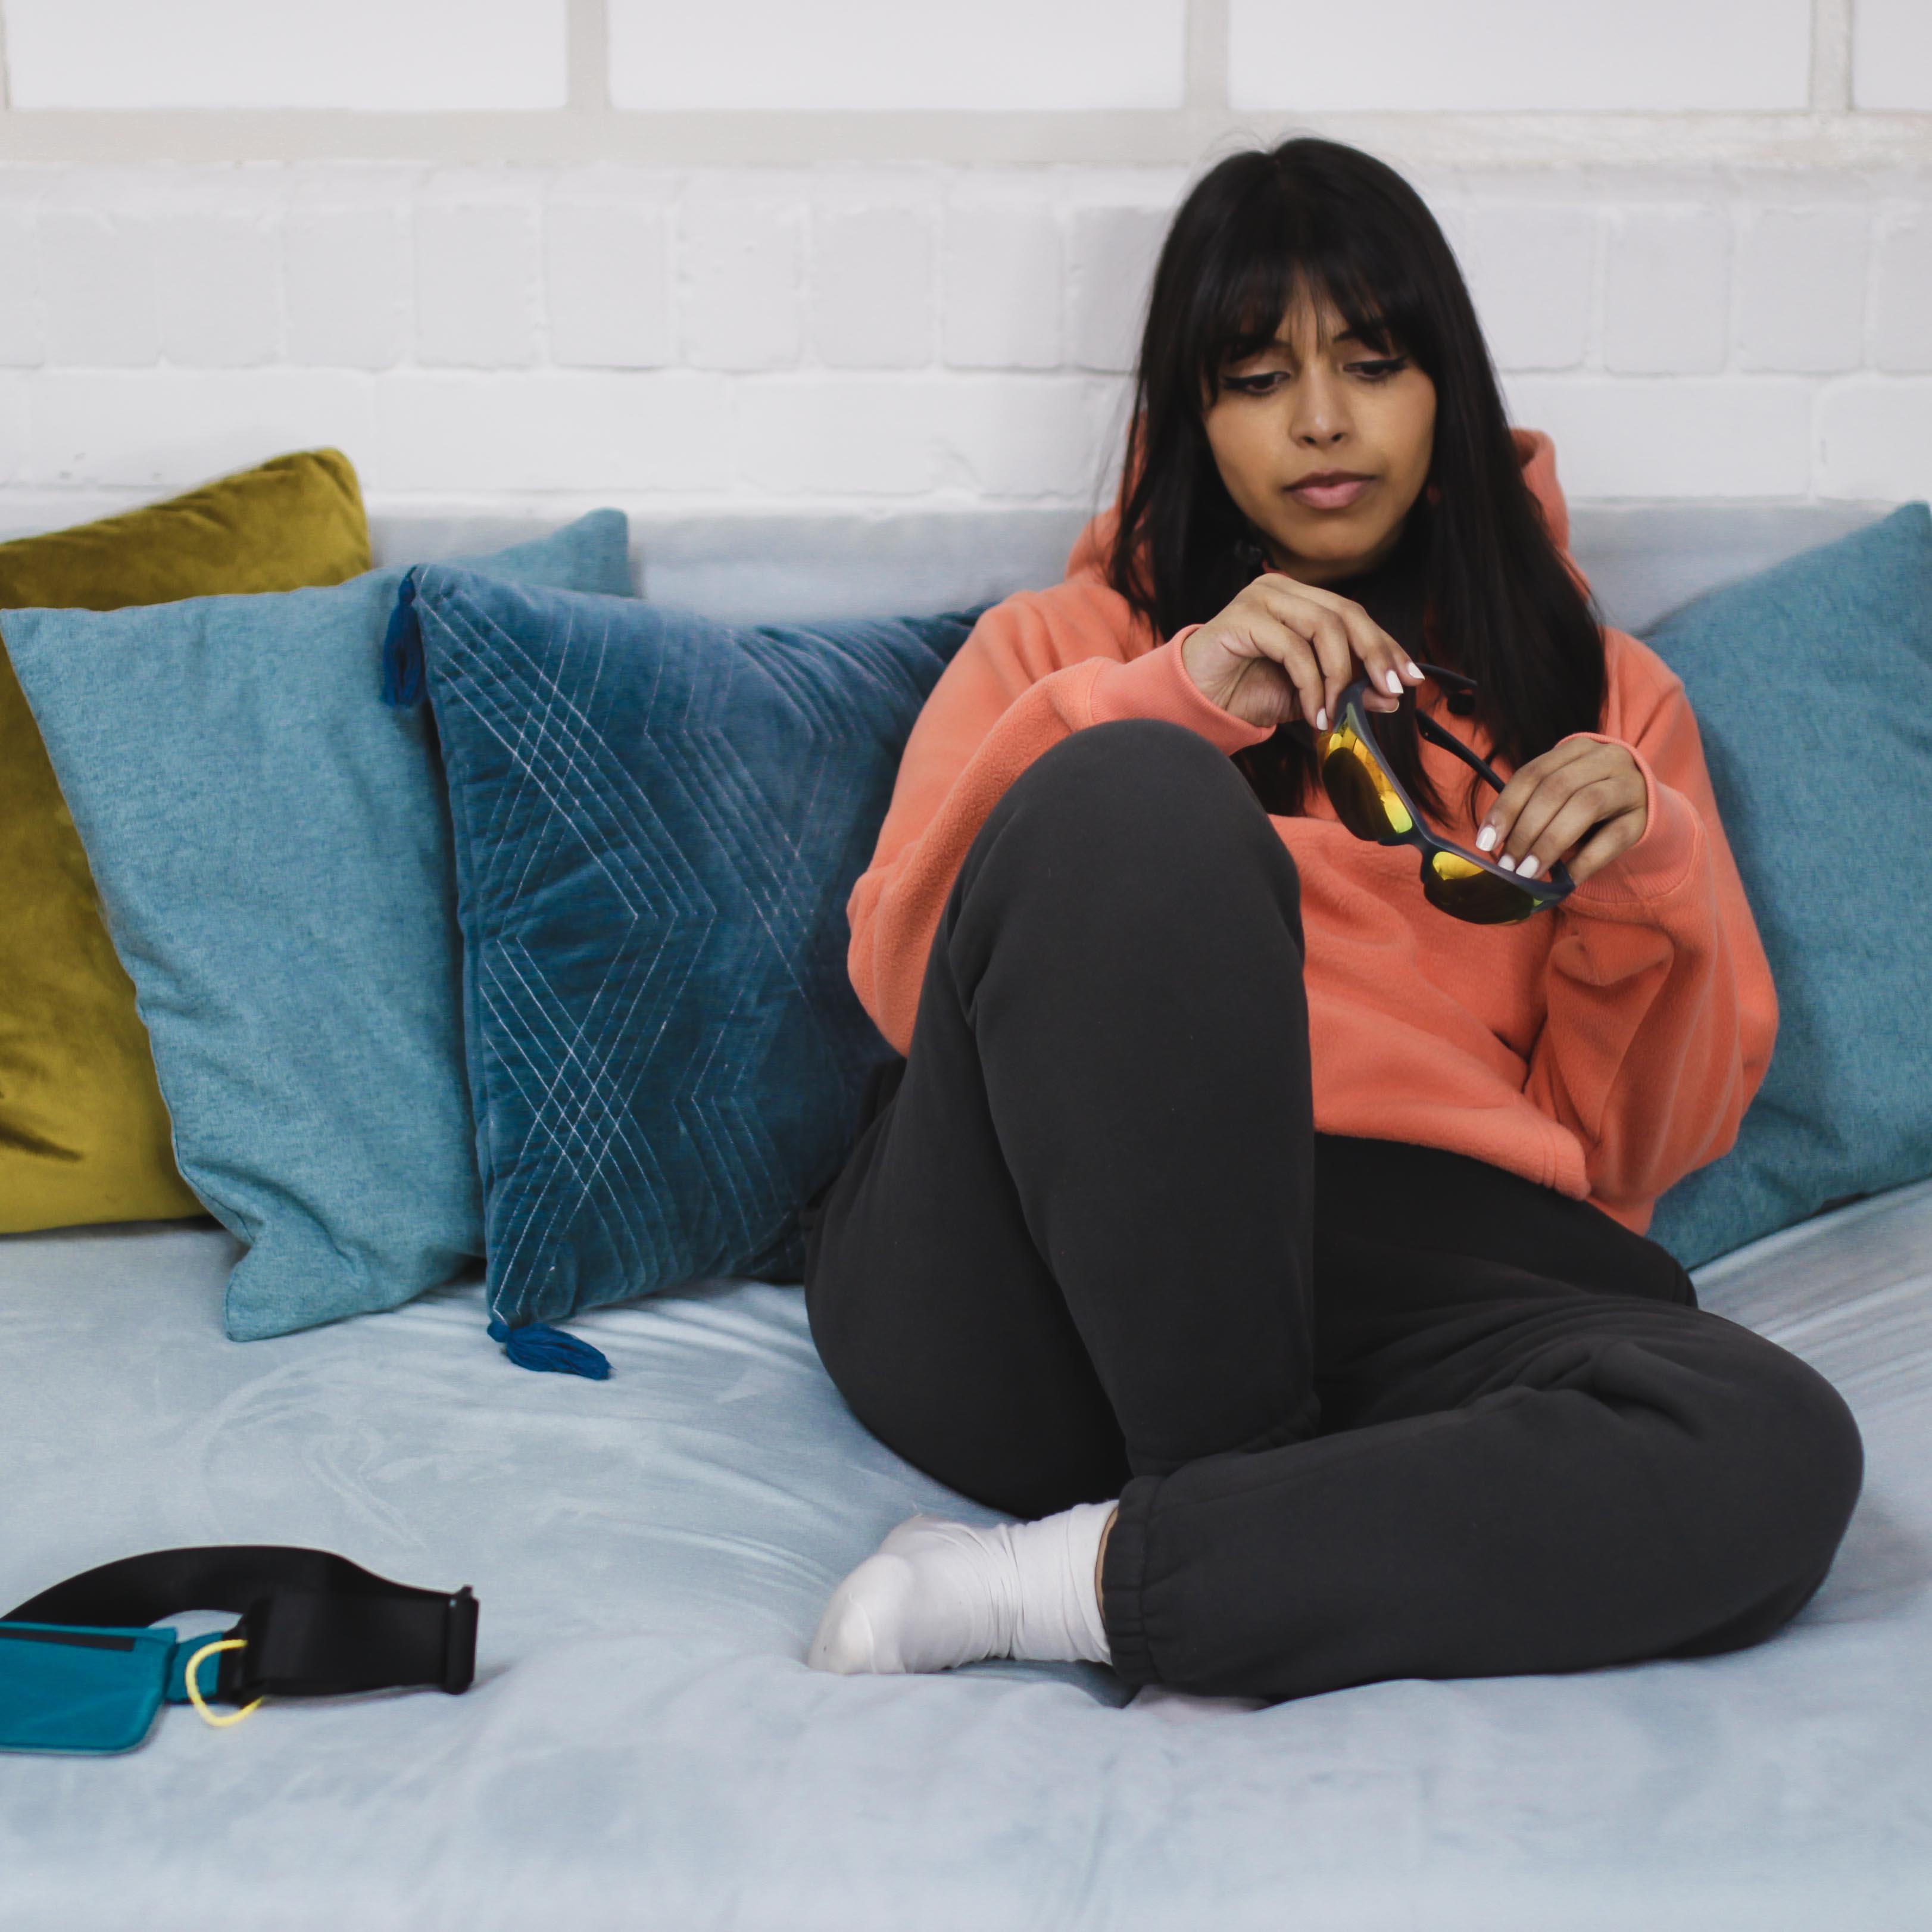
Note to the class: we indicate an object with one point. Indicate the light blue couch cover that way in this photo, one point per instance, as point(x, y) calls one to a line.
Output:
point(644, 1748)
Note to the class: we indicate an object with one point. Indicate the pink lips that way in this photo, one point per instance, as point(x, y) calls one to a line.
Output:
point(1330, 496)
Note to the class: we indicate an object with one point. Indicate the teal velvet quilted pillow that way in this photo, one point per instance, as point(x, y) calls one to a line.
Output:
point(273, 855)
point(659, 820)
point(1812, 685)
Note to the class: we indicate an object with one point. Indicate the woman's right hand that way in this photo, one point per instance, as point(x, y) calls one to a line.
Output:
point(1284, 649)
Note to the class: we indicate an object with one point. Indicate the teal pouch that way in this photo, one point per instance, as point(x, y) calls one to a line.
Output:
point(67, 1689)
point(80, 1672)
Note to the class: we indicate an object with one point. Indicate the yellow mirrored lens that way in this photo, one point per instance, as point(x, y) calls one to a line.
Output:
point(1362, 797)
point(1472, 892)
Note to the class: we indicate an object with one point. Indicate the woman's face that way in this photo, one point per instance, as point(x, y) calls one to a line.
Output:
point(1314, 401)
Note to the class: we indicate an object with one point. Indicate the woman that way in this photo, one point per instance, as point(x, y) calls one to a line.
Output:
point(1268, 1238)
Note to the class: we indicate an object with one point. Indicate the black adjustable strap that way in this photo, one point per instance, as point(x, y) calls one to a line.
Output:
point(315, 1624)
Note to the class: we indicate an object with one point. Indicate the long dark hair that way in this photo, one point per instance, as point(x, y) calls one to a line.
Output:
point(1314, 218)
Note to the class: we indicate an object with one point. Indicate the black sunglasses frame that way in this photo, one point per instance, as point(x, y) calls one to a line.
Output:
point(1550, 891)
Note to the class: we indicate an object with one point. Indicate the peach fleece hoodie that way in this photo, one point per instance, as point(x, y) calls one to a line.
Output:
point(1605, 1049)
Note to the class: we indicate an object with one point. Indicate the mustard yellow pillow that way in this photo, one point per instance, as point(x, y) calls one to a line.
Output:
point(84, 1136)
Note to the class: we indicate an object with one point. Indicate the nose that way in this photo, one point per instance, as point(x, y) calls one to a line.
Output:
point(1320, 419)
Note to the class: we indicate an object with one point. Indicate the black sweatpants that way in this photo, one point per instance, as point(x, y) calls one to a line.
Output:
point(1372, 1410)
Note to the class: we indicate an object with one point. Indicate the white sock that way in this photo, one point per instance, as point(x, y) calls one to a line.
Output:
point(938, 1593)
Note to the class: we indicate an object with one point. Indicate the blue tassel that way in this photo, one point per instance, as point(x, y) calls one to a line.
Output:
point(403, 649)
point(538, 1345)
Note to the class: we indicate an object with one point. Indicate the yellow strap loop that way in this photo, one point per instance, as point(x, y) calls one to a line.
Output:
point(194, 1696)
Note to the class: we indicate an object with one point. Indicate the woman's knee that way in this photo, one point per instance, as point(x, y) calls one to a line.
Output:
point(1782, 1463)
point(1136, 798)
point(1135, 765)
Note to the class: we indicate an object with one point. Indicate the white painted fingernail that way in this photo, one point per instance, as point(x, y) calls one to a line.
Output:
point(1415, 670)
point(1506, 862)
point(1527, 870)
point(1395, 682)
point(1486, 839)
point(1321, 719)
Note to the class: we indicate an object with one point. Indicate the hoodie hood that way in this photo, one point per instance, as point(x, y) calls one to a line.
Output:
point(1537, 454)
point(1534, 450)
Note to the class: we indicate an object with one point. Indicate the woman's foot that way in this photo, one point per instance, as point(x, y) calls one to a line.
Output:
point(936, 1594)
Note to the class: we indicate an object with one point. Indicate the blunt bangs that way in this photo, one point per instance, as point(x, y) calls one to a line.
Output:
point(1277, 250)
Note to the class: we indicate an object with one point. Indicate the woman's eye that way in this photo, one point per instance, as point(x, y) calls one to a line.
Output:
point(1378, 370)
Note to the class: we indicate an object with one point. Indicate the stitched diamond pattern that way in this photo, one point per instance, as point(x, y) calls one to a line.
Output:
point(659, 820)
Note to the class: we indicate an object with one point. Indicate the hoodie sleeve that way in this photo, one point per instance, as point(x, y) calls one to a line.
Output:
point(1660, 1008)
point(1038, 668)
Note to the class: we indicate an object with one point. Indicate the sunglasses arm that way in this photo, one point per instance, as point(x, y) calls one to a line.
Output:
point(1558, 875)
point(1450, 743)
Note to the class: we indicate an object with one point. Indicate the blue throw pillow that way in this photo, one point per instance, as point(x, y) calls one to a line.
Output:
point(272, 850)
point(1812, 685)
point(659, 821)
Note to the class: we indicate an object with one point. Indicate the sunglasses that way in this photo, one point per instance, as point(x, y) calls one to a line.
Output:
point(1369, 799)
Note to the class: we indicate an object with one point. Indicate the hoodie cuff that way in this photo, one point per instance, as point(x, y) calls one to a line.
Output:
point(1156, 685)
point(1660, 862)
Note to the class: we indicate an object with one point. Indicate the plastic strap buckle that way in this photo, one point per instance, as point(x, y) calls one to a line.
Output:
point(459, 1643)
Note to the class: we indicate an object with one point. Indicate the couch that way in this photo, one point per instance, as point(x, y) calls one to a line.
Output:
point(643, 1746)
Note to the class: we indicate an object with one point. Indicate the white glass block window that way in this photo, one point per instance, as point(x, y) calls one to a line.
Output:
point(400, 56)
point(1503, 55)
point(1046, 55)
point(1891, 54)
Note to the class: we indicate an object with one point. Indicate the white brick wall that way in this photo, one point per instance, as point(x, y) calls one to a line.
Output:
point(547, 253)
point(741, 252)
point(1892, 54)
point(871, 288)
point(897, 54)
point(1666, 292)
point(837, 435)
point(96, 279)
point(1522, 54)
point(610, 274)
point(478, 265)
point(409, 54)
point(1532, 270)
point(1712, 436)
point(217, 280)
point(22, 319)
point(516, 436)
point(1902, 301)
point(425, 58)
point(1801, 274)
point(900, 335)
point(1872, 437)
point(14, 427)
point(145, 429)
point(1112, 251)
point(346, 265)
point(1000, 289)
point(1011, 436)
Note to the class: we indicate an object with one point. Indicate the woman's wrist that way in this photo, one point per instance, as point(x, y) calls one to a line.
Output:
point(1665, 854)
point(1156, 685)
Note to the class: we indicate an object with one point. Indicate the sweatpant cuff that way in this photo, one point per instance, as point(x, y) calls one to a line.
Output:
point(1121, 1575)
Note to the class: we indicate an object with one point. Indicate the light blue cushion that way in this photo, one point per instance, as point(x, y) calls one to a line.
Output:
point(658, 821)
point(1812, 685)
point(272, 850)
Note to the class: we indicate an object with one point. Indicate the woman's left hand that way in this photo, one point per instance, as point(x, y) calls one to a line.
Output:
point(1581, 793)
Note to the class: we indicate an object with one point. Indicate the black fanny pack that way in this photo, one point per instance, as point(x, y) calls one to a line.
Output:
point(83, 1668)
